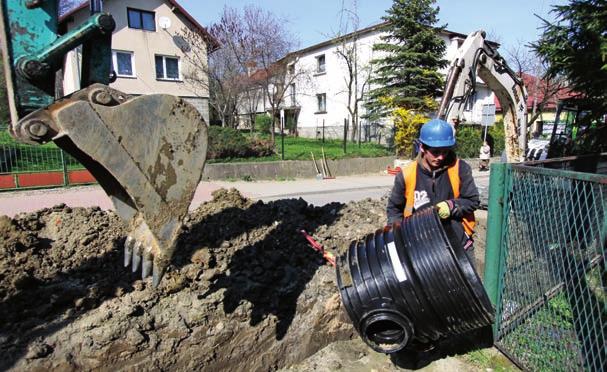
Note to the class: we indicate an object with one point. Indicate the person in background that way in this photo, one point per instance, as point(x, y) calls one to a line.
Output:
point(485, 154)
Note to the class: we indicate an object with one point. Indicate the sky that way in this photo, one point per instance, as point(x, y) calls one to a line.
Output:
point(509, 22)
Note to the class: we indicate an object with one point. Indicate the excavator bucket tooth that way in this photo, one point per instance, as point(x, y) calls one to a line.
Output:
point(128, 250)
point(136, 256)
point(146, 270)
point(147, 153)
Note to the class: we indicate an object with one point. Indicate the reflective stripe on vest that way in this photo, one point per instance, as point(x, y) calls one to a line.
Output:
point(410, 176)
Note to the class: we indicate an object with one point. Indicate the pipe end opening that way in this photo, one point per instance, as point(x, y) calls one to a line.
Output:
point(386, 333)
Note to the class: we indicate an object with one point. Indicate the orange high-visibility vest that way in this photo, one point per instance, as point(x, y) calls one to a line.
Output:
point(410, 176)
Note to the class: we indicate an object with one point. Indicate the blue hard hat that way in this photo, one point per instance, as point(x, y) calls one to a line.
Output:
point(437, 133)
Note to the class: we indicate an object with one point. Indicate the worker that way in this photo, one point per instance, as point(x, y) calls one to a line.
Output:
point(438, 179)
point(484, 155)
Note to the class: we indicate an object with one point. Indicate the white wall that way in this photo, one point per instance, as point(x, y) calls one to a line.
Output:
point(333, 84)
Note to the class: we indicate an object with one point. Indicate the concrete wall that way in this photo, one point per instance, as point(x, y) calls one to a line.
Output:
point(294, 168)
point(301, 168)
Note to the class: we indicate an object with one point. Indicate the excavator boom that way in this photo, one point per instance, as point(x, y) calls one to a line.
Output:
point(476, 58)
point(146, 152)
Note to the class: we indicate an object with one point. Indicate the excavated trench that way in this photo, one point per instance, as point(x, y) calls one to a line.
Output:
point(245, 291)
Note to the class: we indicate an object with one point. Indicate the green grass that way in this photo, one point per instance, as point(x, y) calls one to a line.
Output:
point(547, 339)
point(490, 360)
point(35, 158)
point(299, 148)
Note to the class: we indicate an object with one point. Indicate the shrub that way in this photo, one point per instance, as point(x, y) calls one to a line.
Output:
point(497, 133)
point(226, 143)
point(263, 123)
point(230, 143)
point(260, 147)
point(469, 141)
point(407, 125)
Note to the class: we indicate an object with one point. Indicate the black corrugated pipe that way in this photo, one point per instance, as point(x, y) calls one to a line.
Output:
point(412, 282)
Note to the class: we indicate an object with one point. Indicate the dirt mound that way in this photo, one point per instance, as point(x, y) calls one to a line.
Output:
point(245, 291)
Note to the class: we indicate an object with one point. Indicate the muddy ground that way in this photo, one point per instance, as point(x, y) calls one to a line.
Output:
point(245, 291)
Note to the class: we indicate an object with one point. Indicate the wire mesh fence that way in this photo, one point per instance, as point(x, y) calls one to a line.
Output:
point(552, 309)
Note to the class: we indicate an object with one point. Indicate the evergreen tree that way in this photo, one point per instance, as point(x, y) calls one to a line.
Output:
point(412, 53)
point(575, 46)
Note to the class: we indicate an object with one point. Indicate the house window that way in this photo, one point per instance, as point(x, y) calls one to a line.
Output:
point(320, 63)
point(291, 69)
point(141, 19)
point(123, 63)
point(167, 68)
point(321, 99)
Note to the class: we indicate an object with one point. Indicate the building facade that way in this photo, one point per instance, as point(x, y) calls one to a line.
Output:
point(317, 98)
point(147, 51)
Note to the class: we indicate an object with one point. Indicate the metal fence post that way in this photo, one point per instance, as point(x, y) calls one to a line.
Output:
point(495, 217)
point(64, 168)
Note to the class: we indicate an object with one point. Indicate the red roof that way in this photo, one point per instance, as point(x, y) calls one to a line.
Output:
point(533, 84)
point(213, 43)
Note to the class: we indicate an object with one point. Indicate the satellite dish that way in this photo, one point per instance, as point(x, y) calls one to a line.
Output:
point(164, 22)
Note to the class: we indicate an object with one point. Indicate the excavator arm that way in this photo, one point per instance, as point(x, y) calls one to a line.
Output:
point(146, 152)
point(476, 58)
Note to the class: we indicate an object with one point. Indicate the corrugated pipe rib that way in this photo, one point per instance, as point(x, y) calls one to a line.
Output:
point(411, 282)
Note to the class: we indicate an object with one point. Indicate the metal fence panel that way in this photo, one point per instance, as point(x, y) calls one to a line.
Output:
point(552, 307)
point(19, 158)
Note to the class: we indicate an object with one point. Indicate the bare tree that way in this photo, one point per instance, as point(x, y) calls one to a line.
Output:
point(358, 75)
point(541, 88)
point(222, 73)
point(250, 67)
point(269, 46)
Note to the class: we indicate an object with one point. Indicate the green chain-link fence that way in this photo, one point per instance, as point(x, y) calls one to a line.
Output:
point(551, 280)
point(18, 158)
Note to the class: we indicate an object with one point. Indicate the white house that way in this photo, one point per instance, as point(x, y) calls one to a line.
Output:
point(318, 97)
point(147, 51)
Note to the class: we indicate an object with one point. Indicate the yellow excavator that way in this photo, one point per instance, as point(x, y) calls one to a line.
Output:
point(146, 152)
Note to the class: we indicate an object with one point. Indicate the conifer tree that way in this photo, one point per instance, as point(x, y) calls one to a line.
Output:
point(575, 47)
point(411, 55)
